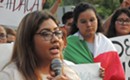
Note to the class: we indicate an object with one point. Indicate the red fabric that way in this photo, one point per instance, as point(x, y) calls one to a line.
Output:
point(112, 64)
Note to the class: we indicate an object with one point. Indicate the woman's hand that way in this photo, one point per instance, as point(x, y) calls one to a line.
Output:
point(59, 1)
point(102, 72)
point(59, 77)
point(43, 2)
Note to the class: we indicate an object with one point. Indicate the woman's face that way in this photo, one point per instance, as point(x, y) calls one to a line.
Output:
point(122, 25)
point(3, 38)
point(87, 23)
point(48, 46)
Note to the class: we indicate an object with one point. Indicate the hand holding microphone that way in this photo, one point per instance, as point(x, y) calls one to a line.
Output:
point(56, 66)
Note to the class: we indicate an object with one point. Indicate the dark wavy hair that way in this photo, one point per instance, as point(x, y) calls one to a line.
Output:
point(112, 31)
point(81, 7)
point(66, 16)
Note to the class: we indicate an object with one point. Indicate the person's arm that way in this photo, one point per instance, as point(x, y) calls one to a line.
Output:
point(107, 24)
point(43, 3)
point(55, 6)
point(125, 4)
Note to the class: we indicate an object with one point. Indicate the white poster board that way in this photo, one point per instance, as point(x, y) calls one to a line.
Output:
point(12, 11)
point(87, 71)
point(122, 45)
point(5, 53)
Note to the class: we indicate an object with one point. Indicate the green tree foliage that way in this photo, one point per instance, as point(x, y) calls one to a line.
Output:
point(49, 3)
point(106, 7)
point(103, 7)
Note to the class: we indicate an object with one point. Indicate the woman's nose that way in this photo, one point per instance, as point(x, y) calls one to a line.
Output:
point(54, 38)
point(88, 23)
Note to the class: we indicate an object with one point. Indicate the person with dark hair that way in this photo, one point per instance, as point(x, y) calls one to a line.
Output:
point(123, 4)
point(11, 34)
point(67, 20)
point(87, 44)
point(3, 34)
point(66, 16)
point(38, 42)
point(120, 23)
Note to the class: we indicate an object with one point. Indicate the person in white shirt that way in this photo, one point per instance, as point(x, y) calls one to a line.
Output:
point(38, 41)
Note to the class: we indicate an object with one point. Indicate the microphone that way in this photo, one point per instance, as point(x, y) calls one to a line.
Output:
point(56, 66)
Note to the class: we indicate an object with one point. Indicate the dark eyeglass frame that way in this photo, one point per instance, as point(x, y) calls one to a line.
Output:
point(123, 22)
point(2, 36)
point(48, 35)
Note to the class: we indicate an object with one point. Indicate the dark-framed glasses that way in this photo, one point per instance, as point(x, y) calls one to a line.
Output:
point(48, 35)
point(123, 22)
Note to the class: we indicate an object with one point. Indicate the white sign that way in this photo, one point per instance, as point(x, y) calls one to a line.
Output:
point(87, 71)
point(12, 11)
point(5, 54)
point(122, 45)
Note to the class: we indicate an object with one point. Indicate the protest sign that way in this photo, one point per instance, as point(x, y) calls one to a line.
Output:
point(5, 53)
point(87, 71)
point(122, 44)
point(12, 11)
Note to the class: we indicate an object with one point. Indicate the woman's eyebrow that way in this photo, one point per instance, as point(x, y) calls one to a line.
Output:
point(48, 29)
point(45, 29)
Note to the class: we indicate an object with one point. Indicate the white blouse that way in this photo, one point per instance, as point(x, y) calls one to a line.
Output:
point(11, 72)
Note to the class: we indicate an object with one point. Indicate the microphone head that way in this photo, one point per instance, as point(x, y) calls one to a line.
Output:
point(56, 66)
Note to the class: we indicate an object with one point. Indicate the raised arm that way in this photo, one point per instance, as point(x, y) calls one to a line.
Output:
point(55, 6)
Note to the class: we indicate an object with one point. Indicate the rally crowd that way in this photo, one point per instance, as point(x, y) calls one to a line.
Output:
point(83, 39)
